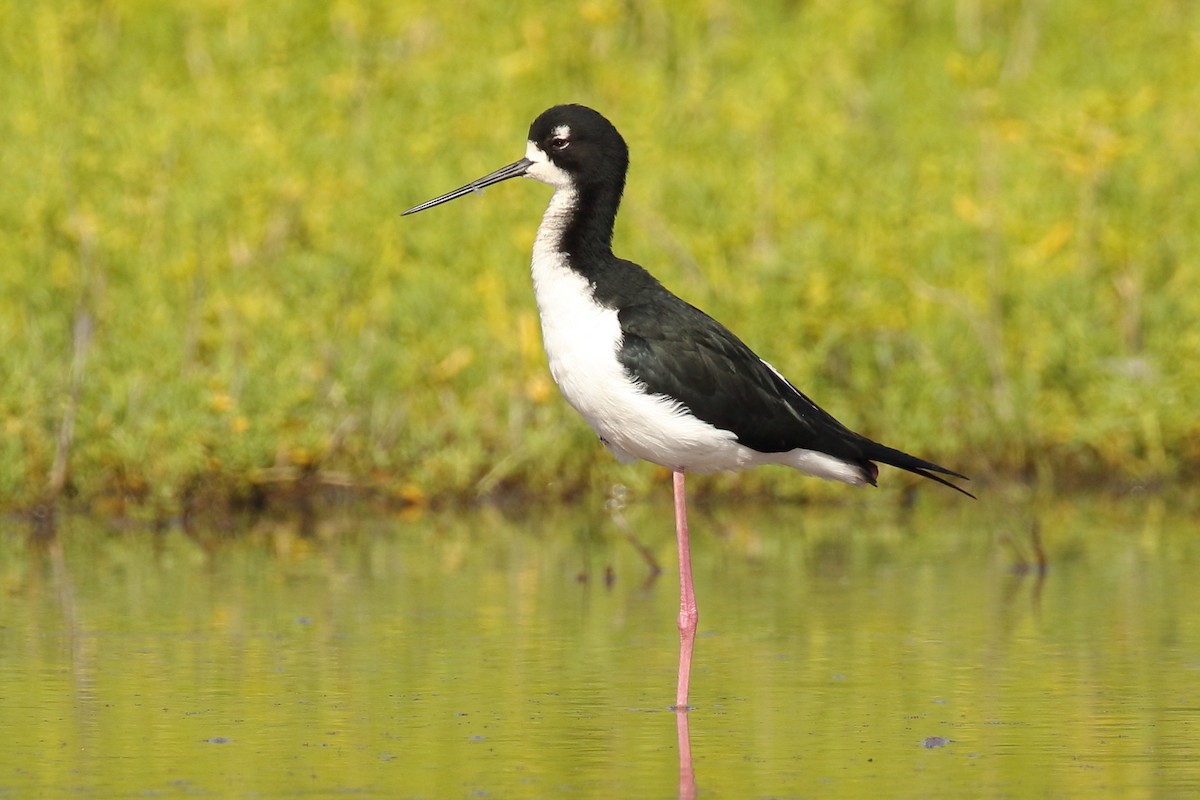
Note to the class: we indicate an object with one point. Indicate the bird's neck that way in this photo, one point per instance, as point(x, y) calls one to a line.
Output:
point(578, 225)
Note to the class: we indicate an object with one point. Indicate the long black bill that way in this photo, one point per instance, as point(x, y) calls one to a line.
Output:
point(513, 170)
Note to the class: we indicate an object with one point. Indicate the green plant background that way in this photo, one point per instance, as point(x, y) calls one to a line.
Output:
point(966, 228)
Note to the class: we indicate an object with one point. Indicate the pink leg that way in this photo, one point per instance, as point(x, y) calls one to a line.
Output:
point(687, 596)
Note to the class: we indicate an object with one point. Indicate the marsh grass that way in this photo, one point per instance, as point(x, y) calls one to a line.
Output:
point(967, 228)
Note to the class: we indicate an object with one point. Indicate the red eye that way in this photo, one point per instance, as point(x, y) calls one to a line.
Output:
point(559, 143)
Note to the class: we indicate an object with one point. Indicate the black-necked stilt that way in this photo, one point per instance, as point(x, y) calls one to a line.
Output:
point(655, 377)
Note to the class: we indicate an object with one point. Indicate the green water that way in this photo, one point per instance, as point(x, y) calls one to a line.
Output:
point(843, 652)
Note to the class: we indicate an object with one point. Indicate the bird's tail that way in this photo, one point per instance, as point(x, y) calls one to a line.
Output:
point(874, 451)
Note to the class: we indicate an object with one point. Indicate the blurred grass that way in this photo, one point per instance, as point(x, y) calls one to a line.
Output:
point(966, 228)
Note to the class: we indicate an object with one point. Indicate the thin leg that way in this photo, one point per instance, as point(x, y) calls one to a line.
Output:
point(687, 596)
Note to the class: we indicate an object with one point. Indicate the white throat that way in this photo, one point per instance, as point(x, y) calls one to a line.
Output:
point(547, 247)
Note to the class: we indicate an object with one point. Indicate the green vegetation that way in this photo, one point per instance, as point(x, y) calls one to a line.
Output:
point(963, 227)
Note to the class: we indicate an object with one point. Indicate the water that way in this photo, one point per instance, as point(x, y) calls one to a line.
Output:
point(843, 652)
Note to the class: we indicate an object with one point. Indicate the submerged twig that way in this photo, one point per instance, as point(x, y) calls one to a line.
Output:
point(616, 508)
point(1038, 565)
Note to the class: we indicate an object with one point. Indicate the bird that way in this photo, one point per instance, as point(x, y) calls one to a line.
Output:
point(655, 377)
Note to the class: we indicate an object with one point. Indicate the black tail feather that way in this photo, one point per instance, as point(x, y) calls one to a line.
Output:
point(874, 451)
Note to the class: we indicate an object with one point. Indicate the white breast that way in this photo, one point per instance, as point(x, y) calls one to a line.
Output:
point(582, 339)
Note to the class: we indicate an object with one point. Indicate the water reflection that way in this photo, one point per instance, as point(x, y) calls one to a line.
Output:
point(450, 655)
point(687, 773)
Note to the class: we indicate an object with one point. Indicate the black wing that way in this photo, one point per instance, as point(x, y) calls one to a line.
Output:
point(677, 350)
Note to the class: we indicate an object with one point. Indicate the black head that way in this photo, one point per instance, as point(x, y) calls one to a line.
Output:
point(570, 146)
point(574, 145)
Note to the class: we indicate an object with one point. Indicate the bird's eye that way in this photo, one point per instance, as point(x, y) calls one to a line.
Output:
point(559, 142)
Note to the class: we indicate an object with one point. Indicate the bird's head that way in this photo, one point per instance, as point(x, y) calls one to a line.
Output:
point(570, 146)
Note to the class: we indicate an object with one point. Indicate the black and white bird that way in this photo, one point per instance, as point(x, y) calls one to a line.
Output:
point(655, 377)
